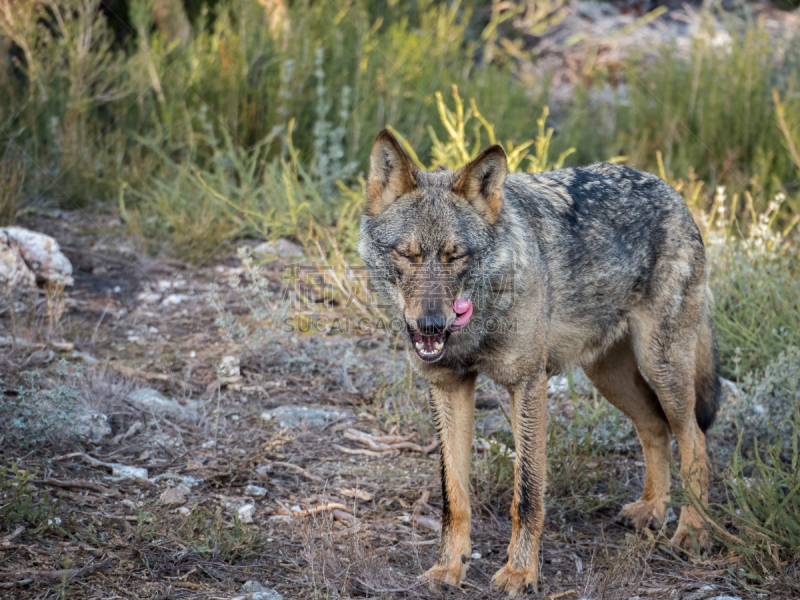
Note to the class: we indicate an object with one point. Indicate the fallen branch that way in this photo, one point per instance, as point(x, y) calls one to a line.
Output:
point(130, 372)
point(74, 483)
point(59, 346)
point(562, 594)
point(7, 539)
point(428, 523)
point(343, 516)
point(297, 469)
point(29, 576)
point(382, 443)
point(117, 469)
point(364, 451)
point(315, 509)
point(133, 429)
point(422, 503)
point(146, 375)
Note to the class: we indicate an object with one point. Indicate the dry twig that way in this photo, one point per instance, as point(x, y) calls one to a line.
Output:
point(29, 576)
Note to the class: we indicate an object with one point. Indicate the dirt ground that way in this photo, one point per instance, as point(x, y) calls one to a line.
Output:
point(337, 510)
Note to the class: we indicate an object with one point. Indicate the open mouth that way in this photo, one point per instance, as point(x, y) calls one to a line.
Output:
point(430, 347)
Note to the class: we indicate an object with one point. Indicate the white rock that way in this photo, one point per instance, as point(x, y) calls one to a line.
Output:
point(173, 495)
point(174, 299)
point(149, 297)
point(93, 426)
point(14, 273)
point(246, 513)
point(257, 591)
point(127, 472)
point(152, 401)
point(282, 248)
point(255, 491)
point(265, 595)
point(476, 556)
point(42, 255)
point(229, 370)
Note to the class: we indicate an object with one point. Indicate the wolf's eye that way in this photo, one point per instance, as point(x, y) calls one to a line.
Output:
point(456, 257)
point(397, 254)
point(415, 258)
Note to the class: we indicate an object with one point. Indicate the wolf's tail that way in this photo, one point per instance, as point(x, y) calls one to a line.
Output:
point(707, 381)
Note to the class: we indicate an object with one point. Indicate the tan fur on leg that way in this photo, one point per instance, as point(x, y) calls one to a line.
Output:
point(616, 375)
point(453, 404)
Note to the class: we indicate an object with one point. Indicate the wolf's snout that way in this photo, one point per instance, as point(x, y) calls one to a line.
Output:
point(432, 324)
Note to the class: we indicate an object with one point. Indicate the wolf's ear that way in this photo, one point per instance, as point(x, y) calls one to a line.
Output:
point(391, 174)
point(481, 182)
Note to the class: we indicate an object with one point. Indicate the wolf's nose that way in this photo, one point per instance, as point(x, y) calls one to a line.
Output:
point(432, 324)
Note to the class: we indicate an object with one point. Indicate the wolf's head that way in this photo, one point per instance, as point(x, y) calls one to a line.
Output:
point(425, 237)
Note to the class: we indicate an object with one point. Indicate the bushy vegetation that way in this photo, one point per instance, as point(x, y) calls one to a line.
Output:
point(254, 118)
point(42, 412)
point(243, 117)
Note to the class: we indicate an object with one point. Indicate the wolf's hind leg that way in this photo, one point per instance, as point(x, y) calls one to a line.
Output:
point(616, 376)
point(668, 361)
point(453, 406)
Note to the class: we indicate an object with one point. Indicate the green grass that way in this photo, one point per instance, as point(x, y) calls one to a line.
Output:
point(244, 115)
point(20, 502)
point(711, 114)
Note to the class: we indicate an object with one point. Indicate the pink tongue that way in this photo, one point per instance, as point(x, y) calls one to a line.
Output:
point(463, 308)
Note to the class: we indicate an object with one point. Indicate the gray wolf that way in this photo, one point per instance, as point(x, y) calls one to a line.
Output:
point(521, 276)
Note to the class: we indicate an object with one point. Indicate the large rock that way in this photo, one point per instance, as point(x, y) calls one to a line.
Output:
point(41, 255)
point(281, 247)
point(14, 273)
point(154, 402)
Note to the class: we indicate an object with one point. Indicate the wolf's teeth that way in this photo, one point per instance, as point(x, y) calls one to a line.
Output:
point(438, 345)
point(419, 345)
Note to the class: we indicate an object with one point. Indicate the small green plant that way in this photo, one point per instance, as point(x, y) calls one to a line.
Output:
point(18, 503)
point(12, 177)
point(492, 476)
point(754, 278)
point(203, 531)
point(458, 149)
point(764, 500)
point(581, 437)
point(209, 534)
point(764, 406)
point(42, 411)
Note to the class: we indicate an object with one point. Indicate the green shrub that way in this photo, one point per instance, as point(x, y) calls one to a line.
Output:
point(42, 412)
point(19, 503)
point(711, 113)
point(764, 501)
point(754, 280)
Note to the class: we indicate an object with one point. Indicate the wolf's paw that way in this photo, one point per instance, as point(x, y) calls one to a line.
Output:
point(439, 576)
point(516, 581)
point(643, 513)
point(690, 535)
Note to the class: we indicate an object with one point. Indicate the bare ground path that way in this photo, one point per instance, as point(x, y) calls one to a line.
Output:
point(342, 503)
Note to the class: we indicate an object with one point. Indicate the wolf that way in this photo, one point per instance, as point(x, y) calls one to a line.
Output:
point(522, 276)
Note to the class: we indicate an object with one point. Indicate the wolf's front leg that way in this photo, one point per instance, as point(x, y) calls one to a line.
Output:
point(529, 421)
point(453, 405)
